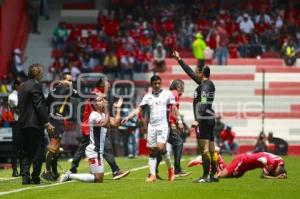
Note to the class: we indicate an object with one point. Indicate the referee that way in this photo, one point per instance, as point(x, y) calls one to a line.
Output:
point(204, 118)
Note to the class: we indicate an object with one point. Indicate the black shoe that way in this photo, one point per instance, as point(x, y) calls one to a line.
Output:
point(25, 180)
point(213, 179)
point(120, 174)
point(15, 173)
point(47, 175)
point(182, 173)
point(36, 180)
point(158, 177)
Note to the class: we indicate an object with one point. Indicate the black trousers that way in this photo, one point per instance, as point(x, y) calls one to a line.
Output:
point(108, 154)
point(16, 152)
point(33, 150)
point(177, 146)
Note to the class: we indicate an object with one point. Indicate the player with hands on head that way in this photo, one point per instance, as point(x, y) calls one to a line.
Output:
point(99, 121)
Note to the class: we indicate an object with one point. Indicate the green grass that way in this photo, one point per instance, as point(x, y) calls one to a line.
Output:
point(134, 186)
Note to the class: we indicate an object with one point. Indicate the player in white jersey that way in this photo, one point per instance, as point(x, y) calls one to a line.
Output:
point(158, 128)
point(99, 121)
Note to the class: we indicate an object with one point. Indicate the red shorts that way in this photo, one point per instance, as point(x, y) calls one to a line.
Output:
point(237, 167)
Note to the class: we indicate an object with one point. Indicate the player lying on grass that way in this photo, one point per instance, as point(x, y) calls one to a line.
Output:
point(273, 166)
point(99, 121)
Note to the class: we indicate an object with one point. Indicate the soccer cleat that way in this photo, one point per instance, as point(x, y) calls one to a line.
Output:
point(36, 181)
point(214, 179)
point(151, 178)
point(195, 162)
point(65, 177)
point(120, 174)
point(47, 175)
point(182, 173)
point(202, 180)
point(171, 174)
point(26, 180)
point(158, 177)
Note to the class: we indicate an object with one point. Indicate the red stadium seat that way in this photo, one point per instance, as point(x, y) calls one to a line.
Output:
point(270, 54)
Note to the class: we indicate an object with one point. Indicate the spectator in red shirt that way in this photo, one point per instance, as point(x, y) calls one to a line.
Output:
point(111, 27)
point(211, 39)
point(146, 41)
point(75, 34)
point(227, 141)
point(169, 43)
point(243, 44)
point(168, 25)
point(155, 26)
point(56, 68)
point(139, 59)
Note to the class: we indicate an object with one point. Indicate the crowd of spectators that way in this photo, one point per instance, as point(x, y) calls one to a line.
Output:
point(127, 40)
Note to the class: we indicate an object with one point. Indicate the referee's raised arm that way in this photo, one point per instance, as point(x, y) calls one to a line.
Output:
point(187, 69)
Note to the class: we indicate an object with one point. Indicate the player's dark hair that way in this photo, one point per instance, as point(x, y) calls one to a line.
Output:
point(282, 170)
point(205, 70)
point(176, 83)
point(100, 82)
point(154, 78)
point(16, 83)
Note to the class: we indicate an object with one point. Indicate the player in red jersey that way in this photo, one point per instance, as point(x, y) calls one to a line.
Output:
point(272, 165)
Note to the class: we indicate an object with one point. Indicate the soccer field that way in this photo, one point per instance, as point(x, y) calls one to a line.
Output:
point(134, 186)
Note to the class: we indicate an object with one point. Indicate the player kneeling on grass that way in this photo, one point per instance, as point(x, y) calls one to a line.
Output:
point(99, 121)
point(272, 165)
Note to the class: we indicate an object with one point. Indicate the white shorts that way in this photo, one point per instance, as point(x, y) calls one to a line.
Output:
point(157, 134)
point(95, 159)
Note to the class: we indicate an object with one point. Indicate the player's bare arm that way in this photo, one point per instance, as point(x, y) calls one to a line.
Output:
point(131, 115)
point(116, 121)
point(177, 115)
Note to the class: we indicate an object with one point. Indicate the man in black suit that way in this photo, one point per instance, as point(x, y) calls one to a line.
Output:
point(33, 119)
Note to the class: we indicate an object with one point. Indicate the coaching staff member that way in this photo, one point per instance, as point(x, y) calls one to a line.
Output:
point(205, 118)
point(33, 119)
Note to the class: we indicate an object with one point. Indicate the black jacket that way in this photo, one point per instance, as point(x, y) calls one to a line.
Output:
point(31, 102)
point(203, 96)
point(58, 95)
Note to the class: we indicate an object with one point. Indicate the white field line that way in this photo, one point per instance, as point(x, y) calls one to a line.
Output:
point(7, 179)
point(60, 183)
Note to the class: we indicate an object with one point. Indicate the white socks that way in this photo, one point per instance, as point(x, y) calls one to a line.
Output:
point(152, 165)
point(83, 177)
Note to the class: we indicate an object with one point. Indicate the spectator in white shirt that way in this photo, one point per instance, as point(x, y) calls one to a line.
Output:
point(159, 55)
point(246, 25)
point(73, 70)
point(265, 17)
